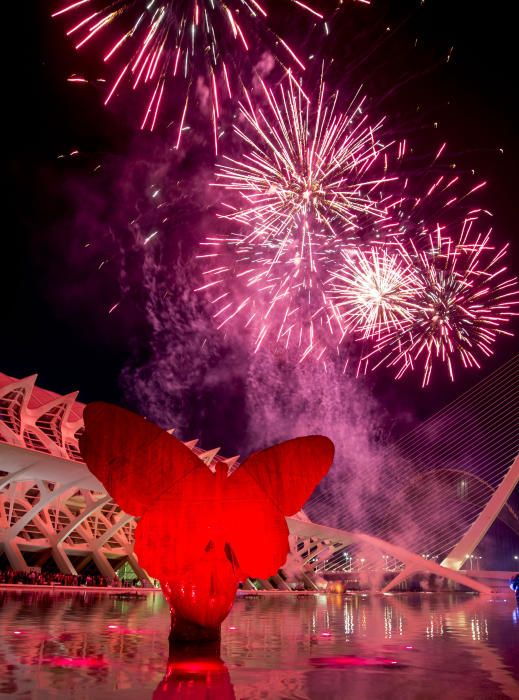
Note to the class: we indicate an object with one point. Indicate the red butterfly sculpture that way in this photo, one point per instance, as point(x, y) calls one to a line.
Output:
point(201, 532)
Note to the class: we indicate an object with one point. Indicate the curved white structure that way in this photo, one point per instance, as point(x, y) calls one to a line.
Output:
point(50, 504)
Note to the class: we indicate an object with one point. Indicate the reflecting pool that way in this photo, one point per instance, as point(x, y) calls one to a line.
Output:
point(87, 646)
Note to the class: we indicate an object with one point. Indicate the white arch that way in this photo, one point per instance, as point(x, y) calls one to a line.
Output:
point(479, 528)
point(412, 561)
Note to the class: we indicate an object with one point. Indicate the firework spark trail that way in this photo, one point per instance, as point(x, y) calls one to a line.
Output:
point(430, 194)
point(374, 291)
point(463, 303)
point(152, 42)
point(305, 192)
point(275, 297)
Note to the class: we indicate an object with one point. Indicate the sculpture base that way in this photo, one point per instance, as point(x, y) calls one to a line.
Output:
point(184, 632)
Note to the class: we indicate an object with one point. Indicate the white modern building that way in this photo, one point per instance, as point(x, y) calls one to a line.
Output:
point(52, 509)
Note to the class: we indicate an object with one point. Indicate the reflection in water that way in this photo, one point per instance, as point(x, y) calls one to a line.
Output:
point(195, 674)
point(84, 645)
point(343, 661)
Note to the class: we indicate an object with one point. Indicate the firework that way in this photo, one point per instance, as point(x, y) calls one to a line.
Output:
point(152, 42)
point(464, 301)
point(272, 294)
point(307, 187)
point(374, 291)
point(306, 166)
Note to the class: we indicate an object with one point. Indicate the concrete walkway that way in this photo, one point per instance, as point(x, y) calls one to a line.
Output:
point(112, 590)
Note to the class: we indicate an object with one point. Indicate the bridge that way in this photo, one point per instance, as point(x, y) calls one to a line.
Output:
point(456, 473)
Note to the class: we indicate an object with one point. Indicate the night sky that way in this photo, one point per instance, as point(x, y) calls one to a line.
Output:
point(55, 299)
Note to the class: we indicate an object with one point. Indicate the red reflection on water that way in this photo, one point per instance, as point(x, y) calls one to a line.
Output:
point(196, 667)
point(343, 661)
point(195, 675)
point(75, 662)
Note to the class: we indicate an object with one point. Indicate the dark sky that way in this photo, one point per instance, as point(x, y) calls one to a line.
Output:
point(55, 301)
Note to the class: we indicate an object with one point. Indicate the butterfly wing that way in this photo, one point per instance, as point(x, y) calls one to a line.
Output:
point(269, 485)
point(174, 534)
point(289, 472)
point(254, 528)
point(135, 460)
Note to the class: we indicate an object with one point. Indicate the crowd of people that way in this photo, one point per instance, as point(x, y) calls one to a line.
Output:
point(42, 578)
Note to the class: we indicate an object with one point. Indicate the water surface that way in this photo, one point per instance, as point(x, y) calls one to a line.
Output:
point(83, 646)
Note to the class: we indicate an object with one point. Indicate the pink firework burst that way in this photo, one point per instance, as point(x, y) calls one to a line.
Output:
point(306, 165)
point(153, 42)
point(307, 186)
point(464, 301)
point(275, 295)
point(374, 291)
